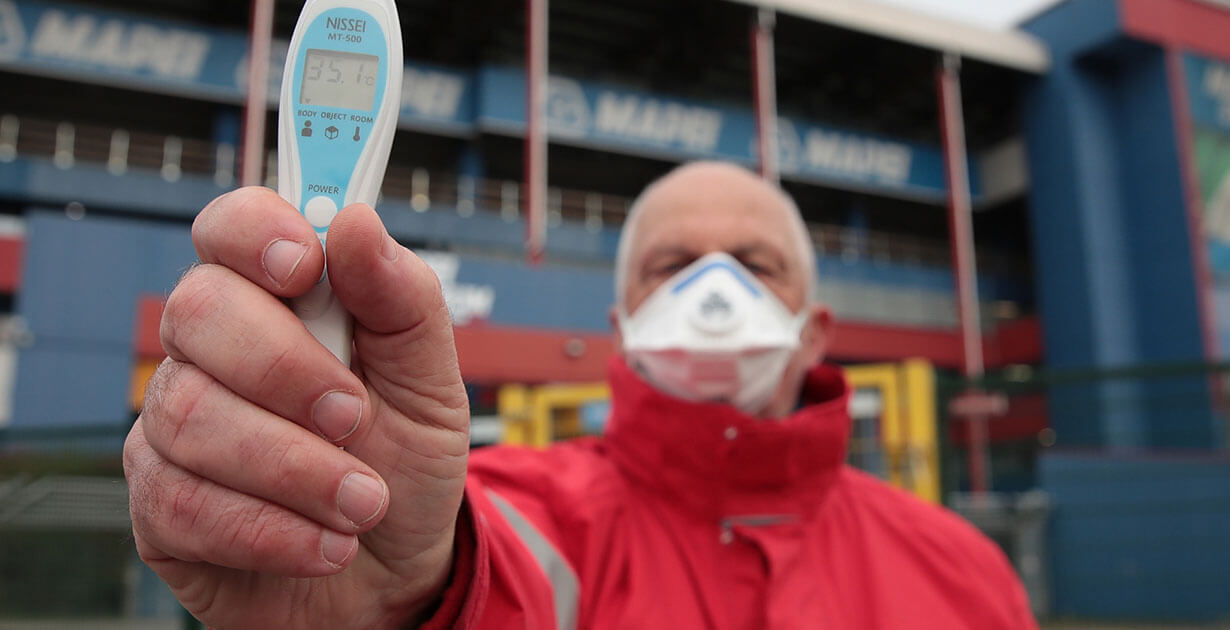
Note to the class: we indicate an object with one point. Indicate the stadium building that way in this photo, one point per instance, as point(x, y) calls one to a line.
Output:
point(1096, 138)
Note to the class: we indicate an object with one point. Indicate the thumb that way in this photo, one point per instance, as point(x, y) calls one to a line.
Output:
point(402, 326)
point(404, 352)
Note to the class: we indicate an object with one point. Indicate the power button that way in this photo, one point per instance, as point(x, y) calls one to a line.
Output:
point(320, 212)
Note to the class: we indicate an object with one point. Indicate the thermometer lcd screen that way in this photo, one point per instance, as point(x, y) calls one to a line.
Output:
point(339, 79)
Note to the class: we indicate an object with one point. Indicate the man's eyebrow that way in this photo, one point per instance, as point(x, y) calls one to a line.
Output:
point(667, 250)
point(757, 247)
point(752, 248)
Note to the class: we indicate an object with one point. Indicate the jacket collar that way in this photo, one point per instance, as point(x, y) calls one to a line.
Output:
point(723, 463)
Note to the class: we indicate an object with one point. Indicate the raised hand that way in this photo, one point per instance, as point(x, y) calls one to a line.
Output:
point(240, 497)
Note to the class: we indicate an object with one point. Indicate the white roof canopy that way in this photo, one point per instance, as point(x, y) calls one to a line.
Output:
point(1009, 48)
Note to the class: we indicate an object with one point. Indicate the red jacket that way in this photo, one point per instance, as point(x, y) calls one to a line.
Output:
point(697, 516)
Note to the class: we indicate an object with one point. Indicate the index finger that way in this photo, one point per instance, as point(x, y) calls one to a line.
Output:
point(260, 236)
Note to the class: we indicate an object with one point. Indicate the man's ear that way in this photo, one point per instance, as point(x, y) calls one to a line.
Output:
point(814, 338)
point(616, 334)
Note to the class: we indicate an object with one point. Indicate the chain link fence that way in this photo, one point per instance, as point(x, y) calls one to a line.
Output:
point(1110, 491)
point(67, 558)
point(1109, 488)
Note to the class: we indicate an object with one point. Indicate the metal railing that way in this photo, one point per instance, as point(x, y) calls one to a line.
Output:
point(122, 150)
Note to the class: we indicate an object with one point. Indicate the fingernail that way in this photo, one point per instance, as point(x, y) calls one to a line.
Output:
point(281, 258)
point(390, 249)
point(337, 414)
point(360, 498)
point(336, 548)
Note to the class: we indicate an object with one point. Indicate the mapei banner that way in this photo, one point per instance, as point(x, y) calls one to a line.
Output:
point(100, 46)
point(1208, 88)
point(114, 48)
point(1208, 93)
point(639, 122)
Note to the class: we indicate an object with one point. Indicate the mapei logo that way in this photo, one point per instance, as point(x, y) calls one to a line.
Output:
point(568, 113)
point(12, 34)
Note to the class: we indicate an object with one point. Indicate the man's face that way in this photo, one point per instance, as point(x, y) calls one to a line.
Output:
point(710, 208)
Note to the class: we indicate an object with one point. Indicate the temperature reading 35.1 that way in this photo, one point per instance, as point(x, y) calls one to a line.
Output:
point(339, 79)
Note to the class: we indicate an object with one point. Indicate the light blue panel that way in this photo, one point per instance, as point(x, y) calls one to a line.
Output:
point(562, 298)
point(147, 193)
point(919, 277)
point(136, 192)
point(1139, 538)
point(80, 286)
point(81, 279)
point(1221, 299)
point(1208, 91)
point(61, 384)
point(329, 152)
point(594, 416)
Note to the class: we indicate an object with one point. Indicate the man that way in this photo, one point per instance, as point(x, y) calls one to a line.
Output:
point(718, 498)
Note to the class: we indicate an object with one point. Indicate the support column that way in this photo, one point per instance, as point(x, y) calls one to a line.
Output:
point(764, 84)
point(961, 235)
point(256, 106)
point(534, 190)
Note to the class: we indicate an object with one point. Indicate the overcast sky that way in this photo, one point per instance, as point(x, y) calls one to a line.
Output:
point(989, 13)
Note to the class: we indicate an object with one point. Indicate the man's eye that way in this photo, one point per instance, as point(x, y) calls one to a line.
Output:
point(759, 269)
point(667, 269)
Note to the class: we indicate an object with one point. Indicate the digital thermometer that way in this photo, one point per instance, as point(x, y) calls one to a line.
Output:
point(341, 95)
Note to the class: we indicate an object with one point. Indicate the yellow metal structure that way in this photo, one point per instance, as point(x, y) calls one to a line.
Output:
point(141, 374)
point(537, 416)
point(907, 422)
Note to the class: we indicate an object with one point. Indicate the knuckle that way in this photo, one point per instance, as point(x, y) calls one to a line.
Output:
point(278, 461)
point(270, 371)
point(194, 291)
point(136, 470)
point(185, 505)
point(287, 467)
point(180, 392)
point(156, 389)
point(257, 536)
point(263, 535)
point(129, 456)
point(189, 304)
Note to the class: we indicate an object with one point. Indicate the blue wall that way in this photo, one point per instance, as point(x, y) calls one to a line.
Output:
point(79, 294)
point(1115, 282)
point(82, 278)
point(1139, 538)
point(1131, 537)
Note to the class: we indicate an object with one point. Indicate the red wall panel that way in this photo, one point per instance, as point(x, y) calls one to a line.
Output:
point(1191, 24)
point(510, 354)
point(10, 263)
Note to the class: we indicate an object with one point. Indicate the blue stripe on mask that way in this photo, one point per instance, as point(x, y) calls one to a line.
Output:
point(717, 264)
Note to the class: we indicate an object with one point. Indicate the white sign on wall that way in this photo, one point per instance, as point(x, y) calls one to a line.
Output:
point(466, 302)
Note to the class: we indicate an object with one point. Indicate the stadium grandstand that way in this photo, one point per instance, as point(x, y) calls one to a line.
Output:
point(1096, 138)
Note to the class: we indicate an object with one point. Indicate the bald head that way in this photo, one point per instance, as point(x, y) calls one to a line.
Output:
point(703, 207)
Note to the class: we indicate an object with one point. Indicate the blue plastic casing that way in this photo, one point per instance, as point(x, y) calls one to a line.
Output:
point(330, 140)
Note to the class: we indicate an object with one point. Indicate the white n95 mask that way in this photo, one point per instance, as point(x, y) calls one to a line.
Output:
point(712, 333)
